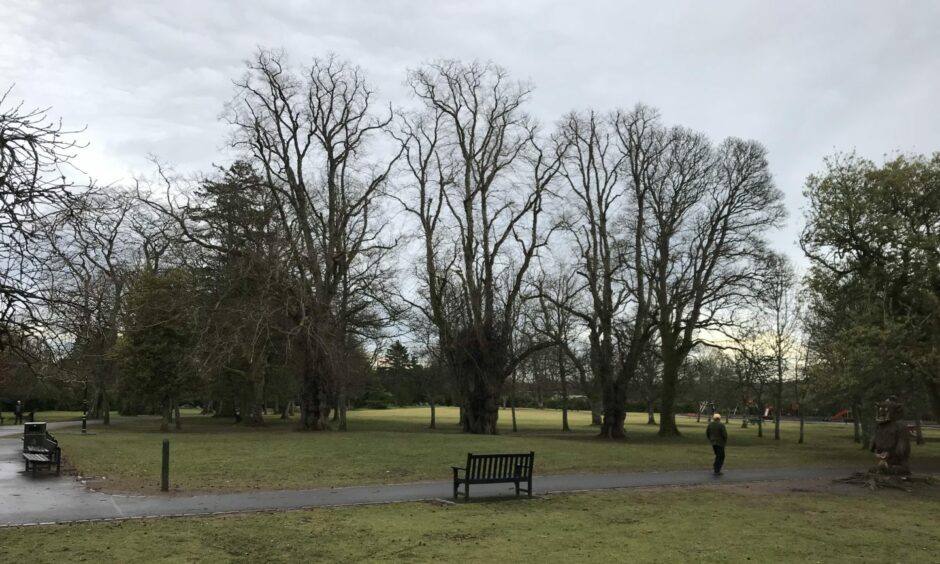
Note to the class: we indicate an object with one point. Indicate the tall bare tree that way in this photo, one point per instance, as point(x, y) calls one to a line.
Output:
point(308, 132)
point(480, 179)
point(709, 215)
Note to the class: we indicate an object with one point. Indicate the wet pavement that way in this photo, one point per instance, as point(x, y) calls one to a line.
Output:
point(44, 498)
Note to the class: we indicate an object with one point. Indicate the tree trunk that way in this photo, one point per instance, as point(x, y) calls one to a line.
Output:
point(667, 416)
point(313, 397)
point(856, 422)
point(165, 421)
point(933, 392)
point(341, 407)
point(176, 414)
point(760, 413)
point(433, 424)
point(597, 412)
point(105, 408)
point(615, 410)
point(802, 420)
point(285, 408)
point(563, 376)
point(650, 413)
point(512, 401)
point(256, 409)
point(481, 411)
point(918, 432)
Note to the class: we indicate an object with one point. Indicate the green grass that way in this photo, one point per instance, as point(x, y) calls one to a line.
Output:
point(726, 525)
point(395, 446)
point(47, 416)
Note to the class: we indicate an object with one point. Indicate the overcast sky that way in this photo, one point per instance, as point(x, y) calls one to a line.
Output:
point(804, 78)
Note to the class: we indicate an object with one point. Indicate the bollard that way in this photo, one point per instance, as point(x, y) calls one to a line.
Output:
point(165, 470)
point(84, 424)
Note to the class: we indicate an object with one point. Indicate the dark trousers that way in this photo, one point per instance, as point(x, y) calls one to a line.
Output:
point(719, 457)
point(18, 418)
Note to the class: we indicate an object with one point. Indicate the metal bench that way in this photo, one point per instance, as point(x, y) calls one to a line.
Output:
point(494, 469)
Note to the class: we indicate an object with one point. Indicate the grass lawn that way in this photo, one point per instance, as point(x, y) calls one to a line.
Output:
point(395, 446)
point(47, 416)
point(727, 524)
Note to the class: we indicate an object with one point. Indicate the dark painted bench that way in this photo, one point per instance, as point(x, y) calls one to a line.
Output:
point(494, 469)
point(42, 451)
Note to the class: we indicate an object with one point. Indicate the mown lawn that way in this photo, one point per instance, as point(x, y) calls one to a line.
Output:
point(395, 446)
point(722, 525)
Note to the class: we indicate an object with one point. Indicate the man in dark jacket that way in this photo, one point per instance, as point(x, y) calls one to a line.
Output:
point(718, 436)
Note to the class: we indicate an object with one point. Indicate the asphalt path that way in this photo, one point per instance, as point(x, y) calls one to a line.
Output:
point(44, 498)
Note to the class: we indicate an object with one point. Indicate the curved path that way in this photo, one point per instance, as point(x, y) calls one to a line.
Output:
point(45, 498)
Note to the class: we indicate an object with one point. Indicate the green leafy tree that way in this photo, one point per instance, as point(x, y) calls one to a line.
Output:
point(156, 349)
point(873, 235)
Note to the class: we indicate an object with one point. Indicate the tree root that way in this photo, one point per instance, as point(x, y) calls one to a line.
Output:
point(873, 481)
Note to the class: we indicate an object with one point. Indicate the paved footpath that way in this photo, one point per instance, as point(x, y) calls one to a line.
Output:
point(46, 498)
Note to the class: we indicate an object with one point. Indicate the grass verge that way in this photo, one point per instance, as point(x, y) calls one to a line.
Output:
point(722, 524)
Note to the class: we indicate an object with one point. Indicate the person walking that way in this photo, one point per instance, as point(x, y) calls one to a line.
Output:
point(18, 413)
point(718, 436)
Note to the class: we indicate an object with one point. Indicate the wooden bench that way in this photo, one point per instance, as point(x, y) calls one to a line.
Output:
point(42, 451)
point(494, 469)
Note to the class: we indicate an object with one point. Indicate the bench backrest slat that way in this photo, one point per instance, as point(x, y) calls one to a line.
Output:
point(497, 466)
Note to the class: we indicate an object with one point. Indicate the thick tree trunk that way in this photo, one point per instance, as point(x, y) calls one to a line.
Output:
point(312, 395)
point(650, 413)
point(615, 411)
point(176, 415)
point(433, 424)
point(481, 411)
point(667, 413)
point(597, 412)
point(285, 407)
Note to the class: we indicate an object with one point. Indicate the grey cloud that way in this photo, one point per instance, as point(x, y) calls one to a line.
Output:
point(805, 78)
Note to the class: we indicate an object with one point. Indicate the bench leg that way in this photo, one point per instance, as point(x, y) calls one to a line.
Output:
point(466, 490)
point(517, 488)
point(530, 486)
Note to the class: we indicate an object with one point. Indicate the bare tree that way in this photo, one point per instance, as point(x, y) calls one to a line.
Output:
point(780, 312)
point(307, 132)
point(480, 178)
point(593, 168)
point(35, 157)
point(554, 320)
point(93, 255)
point(709, 216)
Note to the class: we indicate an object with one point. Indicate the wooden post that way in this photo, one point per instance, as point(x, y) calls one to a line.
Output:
point(165, 470)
